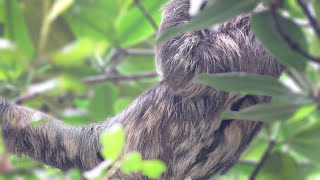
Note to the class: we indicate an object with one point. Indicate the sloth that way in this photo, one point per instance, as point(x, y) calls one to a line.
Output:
point(176, 121)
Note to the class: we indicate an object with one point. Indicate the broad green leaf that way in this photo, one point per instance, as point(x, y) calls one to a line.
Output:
point(15, 27)
point(307, 142)
point(293, 8)
point(77, 52)
point(314, 45)
point(153, 168)
point(136, 65)
point(263, 112)
point(58, 8)
point(12, 61)
point(71, 84)
point(112, 142)
point(74, 175)
point(280, 166)
point(96, 19)
point(121, 104)
point(131, 163)
point(304, 111)
point(134, 27)
point(101, 104)
point(262, 26)
point(243, 83)
point(219, 11)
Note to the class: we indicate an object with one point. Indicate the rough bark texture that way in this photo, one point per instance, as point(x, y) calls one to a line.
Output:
point(176, 121)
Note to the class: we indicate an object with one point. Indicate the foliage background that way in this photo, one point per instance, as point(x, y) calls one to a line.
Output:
point(85, 60)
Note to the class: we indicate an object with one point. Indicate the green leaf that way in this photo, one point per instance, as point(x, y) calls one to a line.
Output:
point(294, 8)
point(131, 163)
point(121, 104)
point(15, 27)
point(112, 142)
point(304, 111)
point(68, 83)
point(280, 166)
point(316, 7)
point(243, 83)
point(153, 168)
point(262, 26)
point(13, 62)
point(263, 112)
point(58, 8)
point(134, 27)
point(136, 65)
point(101, 104)
point(314, 44)
point(73, 175)
point(77, 52)
point(308, 148)
point(217, 12)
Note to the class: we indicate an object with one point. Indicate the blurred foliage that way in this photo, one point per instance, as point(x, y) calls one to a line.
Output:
point(77, 60)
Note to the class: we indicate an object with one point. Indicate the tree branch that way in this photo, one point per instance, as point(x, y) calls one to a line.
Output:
point(147, 15)
point(315, 25)
point(139, 52)
point(263, 160)
point(292, 44)
point(103, 78)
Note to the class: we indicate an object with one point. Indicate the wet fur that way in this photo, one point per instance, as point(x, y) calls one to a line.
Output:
point(176, 121)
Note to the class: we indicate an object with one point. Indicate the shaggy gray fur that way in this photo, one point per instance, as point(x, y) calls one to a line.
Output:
point(176, 121)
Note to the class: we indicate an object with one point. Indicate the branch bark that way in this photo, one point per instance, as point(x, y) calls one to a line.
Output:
point(263, 160)
point(103, 78)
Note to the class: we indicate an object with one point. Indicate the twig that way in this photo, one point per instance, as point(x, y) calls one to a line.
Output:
point(146, 14)
point(139, 52)
point(292, 44)
point(263, 160)
point(103, 78)
point(315, 25)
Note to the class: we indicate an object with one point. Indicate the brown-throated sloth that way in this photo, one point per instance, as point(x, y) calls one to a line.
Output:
point(176, 121)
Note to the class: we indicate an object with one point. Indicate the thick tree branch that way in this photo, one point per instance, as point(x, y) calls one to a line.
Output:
point(147, 14)
point(103, 78)
point(315, 25)
point(263, 160)
point(293, 45)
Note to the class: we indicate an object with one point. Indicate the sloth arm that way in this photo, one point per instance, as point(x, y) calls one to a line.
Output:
point(49, 140)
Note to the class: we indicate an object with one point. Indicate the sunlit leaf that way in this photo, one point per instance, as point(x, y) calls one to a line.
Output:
point(243, 83)
point(293, 8)
point(112, 142)
point(153, 168)
point(131, 163)
point(304, 111)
